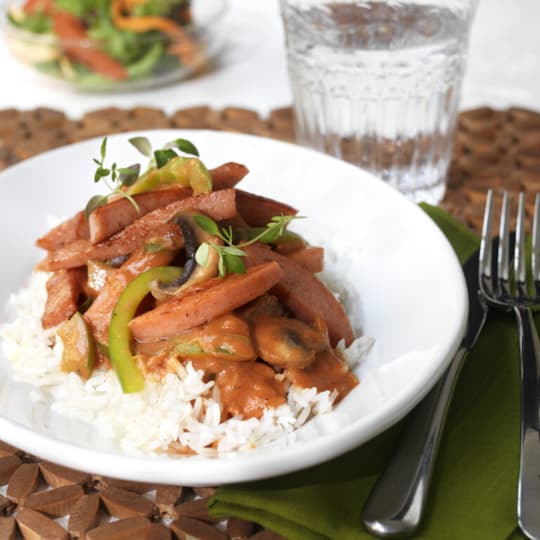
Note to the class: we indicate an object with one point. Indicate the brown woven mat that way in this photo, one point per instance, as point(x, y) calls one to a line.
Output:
point(497, 149)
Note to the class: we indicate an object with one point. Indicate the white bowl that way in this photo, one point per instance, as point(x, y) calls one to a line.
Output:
point(404, 286)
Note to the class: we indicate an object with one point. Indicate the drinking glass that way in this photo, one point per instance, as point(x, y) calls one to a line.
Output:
point(378, 82)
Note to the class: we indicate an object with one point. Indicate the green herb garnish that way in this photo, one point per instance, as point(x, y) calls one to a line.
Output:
point(185, 146)
point(116, 178)
point(119, 178)
point(128, 175)
point(142, 144)
point(163, 155)
point(230, 254)
point(95, 202)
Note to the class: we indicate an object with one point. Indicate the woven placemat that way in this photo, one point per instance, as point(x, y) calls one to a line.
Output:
point(493, 149)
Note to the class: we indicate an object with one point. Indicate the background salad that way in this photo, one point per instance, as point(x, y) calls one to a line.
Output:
point(101, 44)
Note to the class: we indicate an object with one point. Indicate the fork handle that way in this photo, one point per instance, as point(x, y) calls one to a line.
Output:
point(529, 464)
point(396, 503)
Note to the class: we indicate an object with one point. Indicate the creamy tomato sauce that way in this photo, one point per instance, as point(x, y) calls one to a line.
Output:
point(245, 388)
point(253, 359)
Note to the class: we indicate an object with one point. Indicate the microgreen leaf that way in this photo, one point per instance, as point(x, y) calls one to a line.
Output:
point(273, 230)
point(234, 251)
point(281, 221)
point(114, 173)
point(230, 255)
point(202, 253)
point(234, 264)
point(162, 157)
point(100, 173)
point(184, 146)
point(103, 149)
point(290, 235)
point(95, 202)
point(270, 235)
point(128, 175)
point(207, 224)
point(142, 144)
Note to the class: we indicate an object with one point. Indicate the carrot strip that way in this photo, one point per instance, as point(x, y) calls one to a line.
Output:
point(35, 6)
point(68, 27)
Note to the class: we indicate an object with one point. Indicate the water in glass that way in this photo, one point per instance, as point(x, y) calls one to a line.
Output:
point(378, 83)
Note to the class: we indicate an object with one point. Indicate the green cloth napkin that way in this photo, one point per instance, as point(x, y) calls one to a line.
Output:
point(473, 495)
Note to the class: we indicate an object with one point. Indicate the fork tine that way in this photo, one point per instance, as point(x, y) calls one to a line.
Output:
point(524, 306)
point(536, 245)
point(503, 261)
point(519, 249)
point(484, 260)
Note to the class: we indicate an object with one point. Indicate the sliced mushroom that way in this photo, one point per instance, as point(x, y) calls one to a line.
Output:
point(190, 247)
point(193, 272)
point(286, 342)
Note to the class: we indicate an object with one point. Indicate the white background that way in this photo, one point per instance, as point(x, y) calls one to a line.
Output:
point(503, 70)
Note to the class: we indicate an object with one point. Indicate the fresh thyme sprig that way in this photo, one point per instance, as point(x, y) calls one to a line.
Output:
point(230, 255)
point(116, 178)
point(119, 177)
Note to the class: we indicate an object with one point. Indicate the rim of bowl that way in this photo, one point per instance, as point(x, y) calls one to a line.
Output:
point(218, 9)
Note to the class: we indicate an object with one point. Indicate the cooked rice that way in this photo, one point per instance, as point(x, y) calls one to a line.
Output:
point(181, 407)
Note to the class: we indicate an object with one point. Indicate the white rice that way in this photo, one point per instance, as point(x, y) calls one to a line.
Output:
point(181, 407)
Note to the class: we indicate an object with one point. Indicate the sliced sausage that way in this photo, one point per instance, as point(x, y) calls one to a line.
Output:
point(202, 304)
point(304, 294)
point(218, 205)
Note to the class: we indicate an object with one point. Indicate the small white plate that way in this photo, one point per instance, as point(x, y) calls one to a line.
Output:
point(404, 288)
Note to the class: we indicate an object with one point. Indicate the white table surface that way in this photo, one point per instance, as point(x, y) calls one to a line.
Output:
point(503, 69)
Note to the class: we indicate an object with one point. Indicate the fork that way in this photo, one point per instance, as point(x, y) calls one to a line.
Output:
point(509, 290)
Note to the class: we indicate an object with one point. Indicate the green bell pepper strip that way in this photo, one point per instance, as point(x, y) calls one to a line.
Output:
point(130, 377)
point(182, 171)
point(79, 354)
